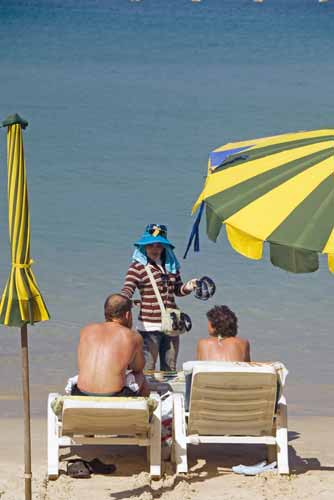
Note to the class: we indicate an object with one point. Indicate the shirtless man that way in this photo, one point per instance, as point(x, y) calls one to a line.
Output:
point(107, 350)
point(222, 344)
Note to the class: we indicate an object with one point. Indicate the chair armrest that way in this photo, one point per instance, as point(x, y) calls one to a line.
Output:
point(282, 404)
point(282, 413)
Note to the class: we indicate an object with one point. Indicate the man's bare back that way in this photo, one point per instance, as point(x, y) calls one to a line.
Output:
point(222, 343)
point(107, 350)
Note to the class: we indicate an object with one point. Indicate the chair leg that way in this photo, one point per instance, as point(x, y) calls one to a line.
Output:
point(53, 440)
point(271, 453)
point(179, 434)
point(155, 439)
point(282, 437)
point(172, 454)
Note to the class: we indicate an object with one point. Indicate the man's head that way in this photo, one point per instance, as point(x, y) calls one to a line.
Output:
point(118, 308)
point(222, 322)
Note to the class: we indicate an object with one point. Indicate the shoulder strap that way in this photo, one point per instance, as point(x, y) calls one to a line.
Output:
point(155, 288)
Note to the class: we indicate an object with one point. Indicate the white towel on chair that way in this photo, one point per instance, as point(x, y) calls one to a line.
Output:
point(130, 382)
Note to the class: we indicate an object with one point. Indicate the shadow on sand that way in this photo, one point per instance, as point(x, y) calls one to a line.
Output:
point(205, 462)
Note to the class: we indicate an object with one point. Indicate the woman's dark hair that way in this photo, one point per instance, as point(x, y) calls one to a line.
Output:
point(223, 320)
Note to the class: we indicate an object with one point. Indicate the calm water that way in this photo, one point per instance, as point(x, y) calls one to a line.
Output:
point(125, 101)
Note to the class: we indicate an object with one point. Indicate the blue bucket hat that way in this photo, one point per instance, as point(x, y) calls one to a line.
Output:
point(154, 233)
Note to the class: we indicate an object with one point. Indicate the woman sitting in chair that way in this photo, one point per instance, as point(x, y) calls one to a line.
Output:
point(222, 344)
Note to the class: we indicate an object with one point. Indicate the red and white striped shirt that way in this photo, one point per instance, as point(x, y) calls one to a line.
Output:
point(170, 285)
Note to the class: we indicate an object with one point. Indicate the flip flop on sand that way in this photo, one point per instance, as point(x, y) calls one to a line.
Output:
point(83, 469)
point(99, 467)
point(78, 469)
point(253, 470)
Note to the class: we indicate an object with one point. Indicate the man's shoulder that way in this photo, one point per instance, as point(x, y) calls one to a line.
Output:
point(133, 334)
point(91, 326)
point(128, 338)
point(127, 332)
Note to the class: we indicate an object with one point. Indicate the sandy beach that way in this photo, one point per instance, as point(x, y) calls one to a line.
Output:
point(210, 476)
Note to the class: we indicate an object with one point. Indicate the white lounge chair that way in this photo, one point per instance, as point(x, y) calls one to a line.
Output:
point(94, 420)
point(232, 403)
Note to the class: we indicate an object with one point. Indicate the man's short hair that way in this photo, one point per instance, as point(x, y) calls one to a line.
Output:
point(223, 320)
point(116, 306)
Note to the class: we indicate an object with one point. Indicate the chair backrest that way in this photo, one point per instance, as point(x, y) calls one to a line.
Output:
point(236, 399)
point(105, 416)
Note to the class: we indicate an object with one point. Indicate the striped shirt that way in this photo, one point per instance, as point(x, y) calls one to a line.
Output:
point(170, 285)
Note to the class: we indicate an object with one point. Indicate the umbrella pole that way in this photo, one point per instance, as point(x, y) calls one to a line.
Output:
point(26, 405)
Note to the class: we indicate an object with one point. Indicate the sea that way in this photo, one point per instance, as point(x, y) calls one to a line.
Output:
point(125, 100)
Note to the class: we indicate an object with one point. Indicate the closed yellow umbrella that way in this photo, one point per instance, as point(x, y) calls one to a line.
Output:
point(21, 302)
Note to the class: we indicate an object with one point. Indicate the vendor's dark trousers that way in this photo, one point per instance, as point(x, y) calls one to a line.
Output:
point(159, 344)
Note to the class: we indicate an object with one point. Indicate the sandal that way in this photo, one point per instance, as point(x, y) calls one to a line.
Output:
point(205, 288)
point(83, 469)
point(78, 469)
point(99, 467)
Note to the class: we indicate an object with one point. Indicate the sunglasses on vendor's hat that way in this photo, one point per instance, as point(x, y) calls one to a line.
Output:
point(157, 230)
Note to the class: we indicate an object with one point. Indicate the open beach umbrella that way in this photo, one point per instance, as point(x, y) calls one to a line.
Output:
point(277, 189)
point(21, 302)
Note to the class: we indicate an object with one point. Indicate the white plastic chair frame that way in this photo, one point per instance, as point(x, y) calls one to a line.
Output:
point(277, 442)
point(150, 438)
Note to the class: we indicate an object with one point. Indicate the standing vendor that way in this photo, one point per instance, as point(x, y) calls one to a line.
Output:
point(154, 256)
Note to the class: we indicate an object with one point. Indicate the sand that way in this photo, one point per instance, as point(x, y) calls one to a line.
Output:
point(210, 476)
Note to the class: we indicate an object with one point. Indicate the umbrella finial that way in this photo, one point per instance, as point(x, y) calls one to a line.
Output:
point(16, 118)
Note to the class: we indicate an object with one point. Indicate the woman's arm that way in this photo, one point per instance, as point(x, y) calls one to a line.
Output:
point(131, 281)
point(180, 289)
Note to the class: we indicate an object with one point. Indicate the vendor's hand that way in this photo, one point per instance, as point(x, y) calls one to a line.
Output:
point(191, 285)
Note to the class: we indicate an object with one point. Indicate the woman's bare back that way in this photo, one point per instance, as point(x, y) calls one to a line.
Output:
point(223, 349)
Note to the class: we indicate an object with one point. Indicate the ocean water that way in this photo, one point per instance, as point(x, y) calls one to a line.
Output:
point(124, 102)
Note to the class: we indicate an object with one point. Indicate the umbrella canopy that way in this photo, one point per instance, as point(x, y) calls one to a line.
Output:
point(21, 301)
point(278, 189)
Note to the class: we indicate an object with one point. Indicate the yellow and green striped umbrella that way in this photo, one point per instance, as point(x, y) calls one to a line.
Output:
point(21, 301)
point(278, 190)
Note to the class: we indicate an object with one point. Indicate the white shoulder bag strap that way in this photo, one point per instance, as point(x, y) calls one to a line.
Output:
point(155, 288)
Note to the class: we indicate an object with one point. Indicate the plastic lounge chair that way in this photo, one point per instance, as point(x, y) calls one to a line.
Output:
point(93, 420)
point(231, 403)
